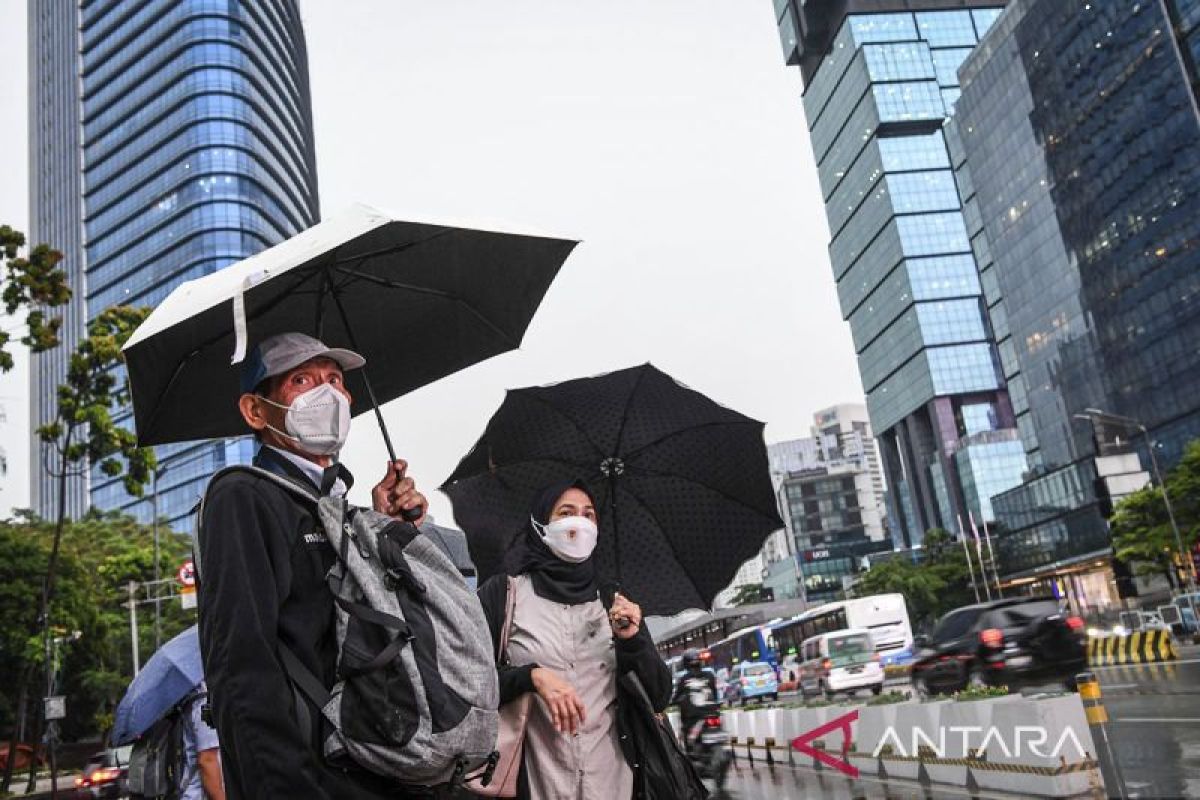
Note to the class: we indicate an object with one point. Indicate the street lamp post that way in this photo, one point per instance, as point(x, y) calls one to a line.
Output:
point(1092, 414)
point(157, 567)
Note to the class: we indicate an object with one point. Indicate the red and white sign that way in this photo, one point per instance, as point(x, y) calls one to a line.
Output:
point(187, 573)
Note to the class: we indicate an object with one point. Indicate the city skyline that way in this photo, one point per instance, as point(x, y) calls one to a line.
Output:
point(605, 147)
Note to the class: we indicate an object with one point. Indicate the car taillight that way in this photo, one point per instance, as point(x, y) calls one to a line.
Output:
point(827, 664)
point(712, 722)
point(745, 681)
point(105, 775)
point(1075, 623)
point(875, 657)
point(80, 781)
point(992, 637)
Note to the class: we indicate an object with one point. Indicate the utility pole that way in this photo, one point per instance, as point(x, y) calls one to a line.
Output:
point(133, 632)
point(157, 576)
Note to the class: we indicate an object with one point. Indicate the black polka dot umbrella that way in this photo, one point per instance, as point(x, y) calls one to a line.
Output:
point(681, 483)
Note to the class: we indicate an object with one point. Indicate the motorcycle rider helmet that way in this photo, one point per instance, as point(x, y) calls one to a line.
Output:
point(692, 660)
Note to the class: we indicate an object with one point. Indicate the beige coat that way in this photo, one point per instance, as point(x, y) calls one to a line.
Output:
point(576, 643)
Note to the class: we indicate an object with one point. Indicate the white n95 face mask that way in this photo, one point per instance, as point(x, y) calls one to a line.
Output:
point(570, 538)
point(318, 421)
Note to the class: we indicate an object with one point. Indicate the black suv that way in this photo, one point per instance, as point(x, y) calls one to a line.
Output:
point(1013, 642)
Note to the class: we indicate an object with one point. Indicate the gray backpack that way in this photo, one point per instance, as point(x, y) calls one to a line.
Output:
point(417, 691)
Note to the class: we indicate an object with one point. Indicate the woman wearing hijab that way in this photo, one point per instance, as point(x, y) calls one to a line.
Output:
point(565, 647)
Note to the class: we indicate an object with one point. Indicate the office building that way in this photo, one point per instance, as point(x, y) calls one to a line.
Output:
point(186, 146)
point(832, 500)
point(880, 80)
point(1080, 131)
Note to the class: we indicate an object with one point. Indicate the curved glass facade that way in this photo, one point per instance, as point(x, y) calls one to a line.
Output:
point(197, 151)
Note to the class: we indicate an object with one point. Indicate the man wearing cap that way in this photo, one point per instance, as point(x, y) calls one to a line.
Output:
point(265, 556)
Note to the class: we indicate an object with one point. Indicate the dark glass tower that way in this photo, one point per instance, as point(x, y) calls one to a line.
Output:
point(196, 148)
point(1080, 129)
point(880, 81)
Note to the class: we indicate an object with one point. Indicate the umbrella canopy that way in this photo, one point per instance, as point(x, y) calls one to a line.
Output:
point(682, 486)
point(168, 677)
point(420, 300)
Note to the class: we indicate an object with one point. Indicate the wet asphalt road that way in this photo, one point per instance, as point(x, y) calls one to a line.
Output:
point(1154, 712)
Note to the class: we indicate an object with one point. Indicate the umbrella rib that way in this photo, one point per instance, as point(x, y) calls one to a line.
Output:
point(713, 489)
point(395, 248)
point(366, 276)
point(435, 293)
point(668, 436)
point(624, 485)
point(625, 413)
point(574, 424)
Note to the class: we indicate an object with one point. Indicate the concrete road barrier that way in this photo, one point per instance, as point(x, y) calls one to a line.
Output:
point(1139, 647)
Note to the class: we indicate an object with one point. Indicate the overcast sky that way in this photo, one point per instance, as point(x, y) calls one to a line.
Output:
point(668, 136)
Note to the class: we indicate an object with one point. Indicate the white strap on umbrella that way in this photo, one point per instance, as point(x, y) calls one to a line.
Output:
point(240, 329)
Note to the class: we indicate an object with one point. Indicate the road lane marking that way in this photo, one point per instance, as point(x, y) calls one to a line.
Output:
point(1158, 720)
point(1119, 685)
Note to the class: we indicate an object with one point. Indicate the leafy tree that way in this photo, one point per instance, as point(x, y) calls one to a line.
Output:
point(941, 581)
point(1141, 529)
point(83, 434)
point(100, 554)
point(746, 594)
point(34, 284)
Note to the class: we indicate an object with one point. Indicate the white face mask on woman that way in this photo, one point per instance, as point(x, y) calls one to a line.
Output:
point(570, 538)
point(318, 421)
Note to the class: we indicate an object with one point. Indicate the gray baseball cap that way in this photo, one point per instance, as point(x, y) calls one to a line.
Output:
point(276, 355)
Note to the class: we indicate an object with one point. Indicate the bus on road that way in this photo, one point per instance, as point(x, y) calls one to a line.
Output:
point(884, 615)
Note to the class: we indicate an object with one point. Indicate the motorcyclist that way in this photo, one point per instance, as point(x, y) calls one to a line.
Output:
point(696, 696)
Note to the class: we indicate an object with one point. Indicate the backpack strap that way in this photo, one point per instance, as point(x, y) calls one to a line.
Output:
point(302, 676)
point(303, 491)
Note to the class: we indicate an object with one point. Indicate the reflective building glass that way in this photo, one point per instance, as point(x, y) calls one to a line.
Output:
point(1083, 142)
point(196, 152)
point(1079, 127)
point(879, 86)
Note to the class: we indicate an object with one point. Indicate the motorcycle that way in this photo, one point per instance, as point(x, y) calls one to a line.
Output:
point(708, 748)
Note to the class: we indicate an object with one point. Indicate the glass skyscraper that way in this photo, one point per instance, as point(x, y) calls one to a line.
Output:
point(193, 149)
point(880, 81)
point(1080, 131)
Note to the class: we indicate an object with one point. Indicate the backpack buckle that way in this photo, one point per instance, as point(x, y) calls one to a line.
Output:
point(490, 770)
point(396, 578)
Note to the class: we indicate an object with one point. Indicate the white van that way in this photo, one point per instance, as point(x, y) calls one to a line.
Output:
point(842, 661)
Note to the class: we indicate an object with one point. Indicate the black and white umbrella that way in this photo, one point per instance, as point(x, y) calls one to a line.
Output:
point(420, 300)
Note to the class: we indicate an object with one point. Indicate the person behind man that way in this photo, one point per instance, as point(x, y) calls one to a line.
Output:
point(264, 557)
point(200, 778)
point(695, 694)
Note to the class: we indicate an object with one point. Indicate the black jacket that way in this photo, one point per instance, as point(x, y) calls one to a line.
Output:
point(263, 558)
point(636, 654)
point(690, 683)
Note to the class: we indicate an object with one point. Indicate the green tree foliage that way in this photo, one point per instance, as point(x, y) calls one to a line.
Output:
point(82, 432)
point(34, 284)
point(747, 594)
point(100, 554)
point(1141, 529)
point(939, 583)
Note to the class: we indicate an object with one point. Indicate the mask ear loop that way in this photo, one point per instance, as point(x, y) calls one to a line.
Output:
point(538, 527)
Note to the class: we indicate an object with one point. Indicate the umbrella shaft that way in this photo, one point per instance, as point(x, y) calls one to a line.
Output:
point(409, 514)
